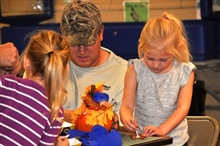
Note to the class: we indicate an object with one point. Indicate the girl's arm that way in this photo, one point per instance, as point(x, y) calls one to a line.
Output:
point(183, 105)
point(128, 100)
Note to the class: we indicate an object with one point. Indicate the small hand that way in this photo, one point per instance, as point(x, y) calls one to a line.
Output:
point(151, 131)
point(62, 141)
point(130, 124)
point(115, 122)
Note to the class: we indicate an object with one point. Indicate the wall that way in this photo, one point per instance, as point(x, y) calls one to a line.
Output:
point(112, 10)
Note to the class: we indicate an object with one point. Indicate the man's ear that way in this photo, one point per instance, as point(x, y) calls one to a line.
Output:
point(101, 33)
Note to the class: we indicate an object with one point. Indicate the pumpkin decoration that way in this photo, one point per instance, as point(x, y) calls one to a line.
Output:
point(94, 110)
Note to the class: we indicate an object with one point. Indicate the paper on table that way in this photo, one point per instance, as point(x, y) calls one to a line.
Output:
point(74, 142)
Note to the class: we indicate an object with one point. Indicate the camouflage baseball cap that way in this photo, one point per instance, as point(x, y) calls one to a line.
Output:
point(81, 22)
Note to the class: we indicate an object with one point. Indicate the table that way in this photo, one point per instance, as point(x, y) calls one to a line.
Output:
point(150, 141)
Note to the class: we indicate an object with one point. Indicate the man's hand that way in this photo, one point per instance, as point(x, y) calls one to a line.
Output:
point(9, 59)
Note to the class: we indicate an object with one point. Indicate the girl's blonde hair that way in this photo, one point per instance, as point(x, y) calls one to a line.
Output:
point(49, 55)
point(165, 34)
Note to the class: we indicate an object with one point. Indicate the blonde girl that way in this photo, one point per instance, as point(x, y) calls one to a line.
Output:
point(158, 85)
point(31, 108)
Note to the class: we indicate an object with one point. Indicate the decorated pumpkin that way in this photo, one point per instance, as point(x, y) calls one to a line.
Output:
point(94, 110)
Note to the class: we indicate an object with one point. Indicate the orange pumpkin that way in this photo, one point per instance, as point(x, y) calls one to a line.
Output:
point(91, 113)
point(86, 121)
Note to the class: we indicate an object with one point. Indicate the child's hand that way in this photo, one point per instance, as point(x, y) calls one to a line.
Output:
point(130, 124)
point(115, 122)
point(151, 130)
point(62, 141)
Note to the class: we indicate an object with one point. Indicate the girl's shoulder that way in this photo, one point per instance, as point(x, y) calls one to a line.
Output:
point(8, 79)
point(184, 66)
point(17, 82)
point(134, 61)
point(137, 63)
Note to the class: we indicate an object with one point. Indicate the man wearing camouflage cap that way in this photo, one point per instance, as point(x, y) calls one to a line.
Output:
point(90, 62)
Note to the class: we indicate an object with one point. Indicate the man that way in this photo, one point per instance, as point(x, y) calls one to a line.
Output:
point(90, 62)
point(9, 59)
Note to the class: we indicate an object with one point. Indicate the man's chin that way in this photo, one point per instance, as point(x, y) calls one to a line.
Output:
point(83, 64)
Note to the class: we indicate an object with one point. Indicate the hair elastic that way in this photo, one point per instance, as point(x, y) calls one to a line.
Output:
point(50, 53)
point(165, 17)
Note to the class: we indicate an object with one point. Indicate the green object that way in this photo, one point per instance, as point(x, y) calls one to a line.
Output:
point(136, 11)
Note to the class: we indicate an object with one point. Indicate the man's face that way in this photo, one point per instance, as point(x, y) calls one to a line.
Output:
point(87, 56)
